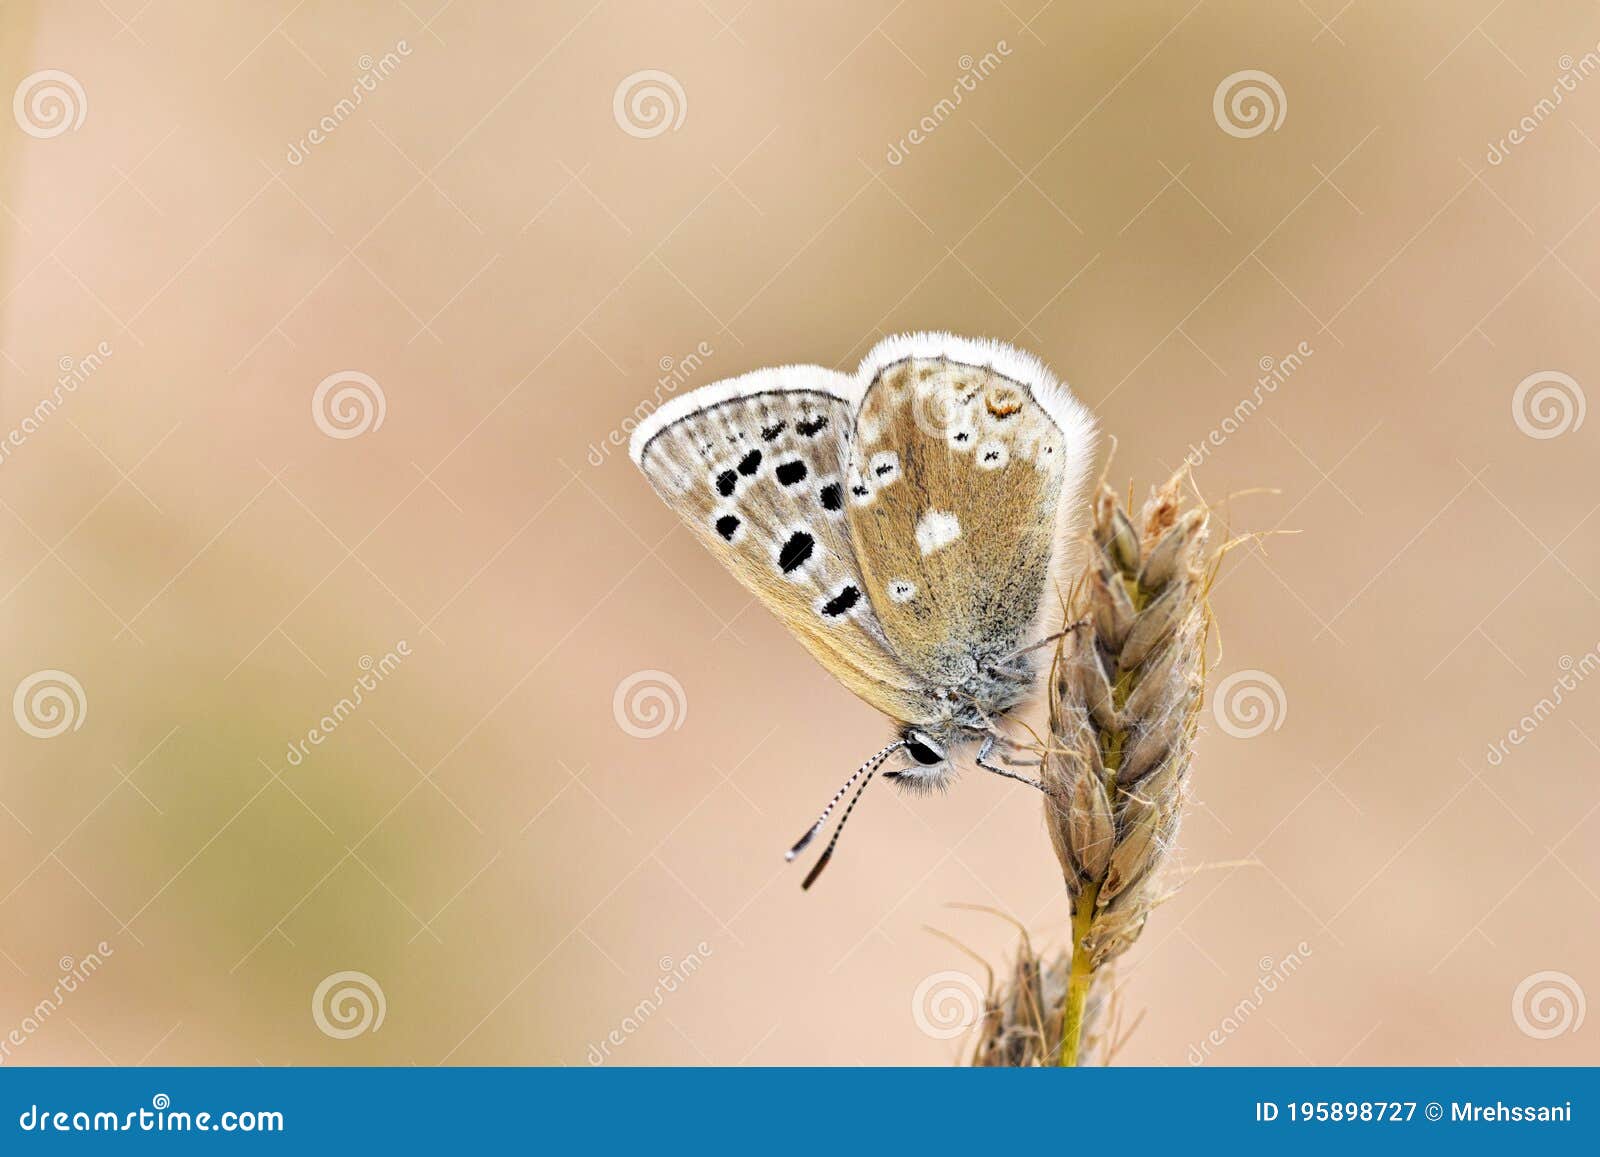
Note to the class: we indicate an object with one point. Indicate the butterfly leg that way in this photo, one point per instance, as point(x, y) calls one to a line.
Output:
point(1047, 640)
point(1010, 760)
point(982, 761)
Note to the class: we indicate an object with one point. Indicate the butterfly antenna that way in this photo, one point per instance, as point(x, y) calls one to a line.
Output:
point(827, 852)
point(822, 821)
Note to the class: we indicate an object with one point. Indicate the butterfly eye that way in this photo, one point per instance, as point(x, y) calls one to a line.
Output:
point(922, 753)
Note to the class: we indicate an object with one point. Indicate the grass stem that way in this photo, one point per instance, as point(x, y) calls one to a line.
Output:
point(1079, 978)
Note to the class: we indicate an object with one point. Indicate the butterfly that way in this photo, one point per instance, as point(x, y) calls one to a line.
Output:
point(904, 522)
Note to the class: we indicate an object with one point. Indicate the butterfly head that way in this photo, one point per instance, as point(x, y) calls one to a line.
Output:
point(930, 768)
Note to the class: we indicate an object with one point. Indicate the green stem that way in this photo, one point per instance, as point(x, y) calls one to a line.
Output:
point(1078, 979)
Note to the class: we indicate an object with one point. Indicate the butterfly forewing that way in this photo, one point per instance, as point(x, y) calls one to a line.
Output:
point(957, 474)
point(755, 467)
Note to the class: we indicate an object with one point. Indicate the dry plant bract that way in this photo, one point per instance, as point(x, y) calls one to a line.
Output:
point(1124, 697)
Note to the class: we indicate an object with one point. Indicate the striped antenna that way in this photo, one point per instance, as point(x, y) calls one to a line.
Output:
point(870, 766)
point(827, 852)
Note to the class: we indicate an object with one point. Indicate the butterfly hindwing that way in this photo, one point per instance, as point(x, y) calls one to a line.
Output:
point(755, 467)
point(963, 458)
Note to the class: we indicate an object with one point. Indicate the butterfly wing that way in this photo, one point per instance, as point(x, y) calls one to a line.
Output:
point(754, 466)
point(965, 472)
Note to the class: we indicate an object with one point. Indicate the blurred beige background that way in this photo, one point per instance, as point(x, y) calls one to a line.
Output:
point(514, 255)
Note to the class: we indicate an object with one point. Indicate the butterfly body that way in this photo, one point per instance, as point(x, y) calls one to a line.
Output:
point(903, 522)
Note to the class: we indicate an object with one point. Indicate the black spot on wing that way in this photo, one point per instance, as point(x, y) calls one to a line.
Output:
point(750, 463)
point(811, 427)
point(847, 597)
point(726, 481)
point(796, 551)
point(728, 526)
point(788, 473)
point(770, 433)
point(831, 497)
